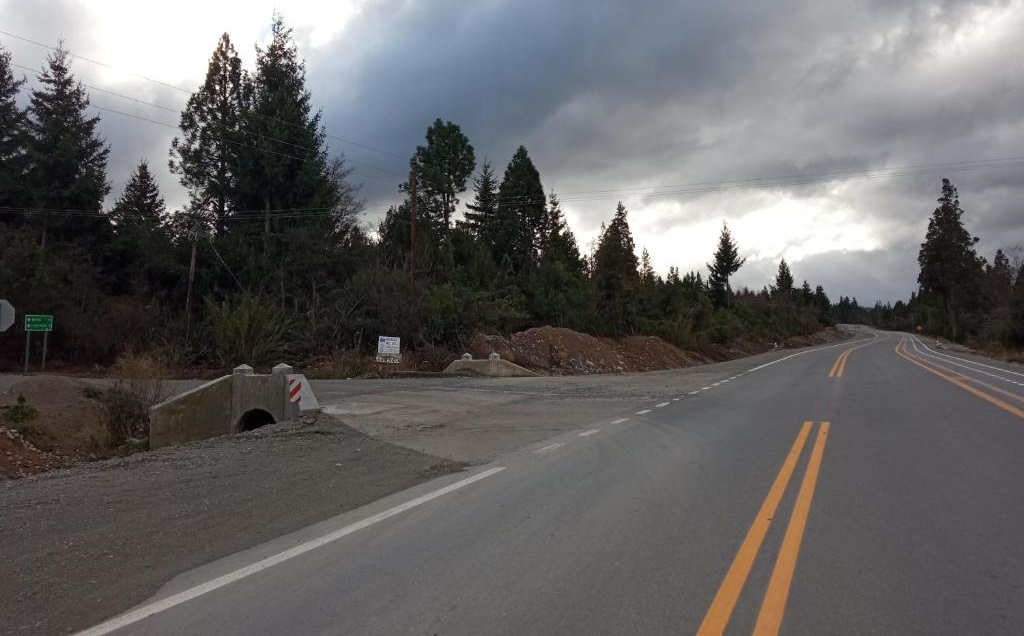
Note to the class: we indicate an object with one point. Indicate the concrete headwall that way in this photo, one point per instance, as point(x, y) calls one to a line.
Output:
point(203, 412)
point(492, 368)
point(221, 406)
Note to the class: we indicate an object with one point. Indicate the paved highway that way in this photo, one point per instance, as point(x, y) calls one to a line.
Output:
point(872, 487)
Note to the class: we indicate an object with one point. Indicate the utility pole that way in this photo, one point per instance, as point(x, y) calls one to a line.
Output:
point(191, 278)
point(412, 224)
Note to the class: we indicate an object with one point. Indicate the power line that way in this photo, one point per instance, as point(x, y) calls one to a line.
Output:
point(184, 90)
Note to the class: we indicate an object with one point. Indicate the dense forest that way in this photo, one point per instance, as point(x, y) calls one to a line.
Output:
point(272, 260)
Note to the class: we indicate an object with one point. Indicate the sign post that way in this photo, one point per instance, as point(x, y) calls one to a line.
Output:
point(37, 322)
point(389, 350)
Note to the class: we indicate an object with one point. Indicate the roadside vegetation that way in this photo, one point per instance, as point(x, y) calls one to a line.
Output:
point(271, 261)
point(962, 296)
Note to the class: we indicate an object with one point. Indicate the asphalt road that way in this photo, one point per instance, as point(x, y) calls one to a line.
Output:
point(872, 487)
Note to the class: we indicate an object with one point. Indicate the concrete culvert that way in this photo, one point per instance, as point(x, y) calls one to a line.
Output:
point(253, 419)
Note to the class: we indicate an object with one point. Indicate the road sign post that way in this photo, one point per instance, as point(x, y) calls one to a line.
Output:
point(37, 322)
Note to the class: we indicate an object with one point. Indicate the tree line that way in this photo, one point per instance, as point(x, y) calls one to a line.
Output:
point(961, 295)
point(269, 259)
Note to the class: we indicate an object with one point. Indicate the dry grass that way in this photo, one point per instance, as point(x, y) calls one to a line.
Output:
point(141, 382)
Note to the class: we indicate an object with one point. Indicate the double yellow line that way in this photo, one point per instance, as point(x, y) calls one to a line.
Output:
point(961, 380)
point(774, 604)
point(840, 364)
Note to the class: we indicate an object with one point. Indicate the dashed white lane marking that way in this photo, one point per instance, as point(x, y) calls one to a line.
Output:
point(662, 405)
point(620, 420)
point(146, 611)
point(715, 383)
point(723, 381)
point(675, 399)
point(550, 447)
point(694, 392)
point(590, 432)
point(704, 388)
point(643, 412)
point(734, 377)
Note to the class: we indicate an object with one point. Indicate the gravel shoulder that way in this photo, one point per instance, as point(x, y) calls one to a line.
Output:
point(82, 544)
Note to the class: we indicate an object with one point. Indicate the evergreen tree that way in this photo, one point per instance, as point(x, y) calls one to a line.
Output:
point(13, 142)
point(949, 265)
point(806, 295)
point(206, 156)
point(67, 159)
point(140, 250)
point(294, 201)
point(520, 212)
point(615, 275)
point(483, 211)
point(784, 281)
point(442, 167)
point(560, 292)
point(726, 263)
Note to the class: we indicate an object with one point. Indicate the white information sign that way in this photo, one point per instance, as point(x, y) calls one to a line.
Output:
point(389, 349)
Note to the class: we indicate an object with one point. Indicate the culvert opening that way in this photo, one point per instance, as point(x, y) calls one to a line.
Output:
point(253, 419)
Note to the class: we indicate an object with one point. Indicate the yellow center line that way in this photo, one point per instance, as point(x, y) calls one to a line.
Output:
point(979, 393)
point(725, 600)
point(840, 361)
point(770, 618)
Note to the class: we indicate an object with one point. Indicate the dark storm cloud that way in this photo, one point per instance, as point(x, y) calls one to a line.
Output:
point(620, 95)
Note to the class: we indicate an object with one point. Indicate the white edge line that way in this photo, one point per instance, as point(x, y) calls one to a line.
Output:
point(662, 405)
point(705, 388)
point(550, 447)
point(643, 412)
point(694, 392)
point(590, 432)
point(620, 420)
point(968, 361)
point(146, 611)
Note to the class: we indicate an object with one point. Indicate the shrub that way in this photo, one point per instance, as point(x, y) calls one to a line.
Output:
point(19, 412)
point(250, 330)
point(140, 383)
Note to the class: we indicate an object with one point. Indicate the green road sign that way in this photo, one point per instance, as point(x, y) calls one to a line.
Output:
point(37, 322)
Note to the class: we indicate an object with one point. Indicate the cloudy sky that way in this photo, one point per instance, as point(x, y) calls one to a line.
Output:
point(819, 130)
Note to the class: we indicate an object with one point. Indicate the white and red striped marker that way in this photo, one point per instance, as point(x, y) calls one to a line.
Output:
point(294, 390)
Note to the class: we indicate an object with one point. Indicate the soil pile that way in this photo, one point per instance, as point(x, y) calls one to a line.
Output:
point(560, 351)
point(67, 426)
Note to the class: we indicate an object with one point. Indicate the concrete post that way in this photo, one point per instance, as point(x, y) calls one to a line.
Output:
point(494, 356)
point(282, 368)
point(242, 369)
point(467, 356)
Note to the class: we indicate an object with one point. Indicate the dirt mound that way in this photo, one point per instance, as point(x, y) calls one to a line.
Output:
point(21, 458)
point(558, 351)
point(67, 426)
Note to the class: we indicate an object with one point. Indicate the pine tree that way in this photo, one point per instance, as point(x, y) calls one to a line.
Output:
point(559, 293)
point(784, 281)
point(483, 211)
point(285, 169)
point(67, 158)
point(725, 264)
point(206, 156)
point(140, 250)
point(806, 295)
point(520, 212)
point(616, 277)
point(13, 142)
point(442, 167)
point(950, 267)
